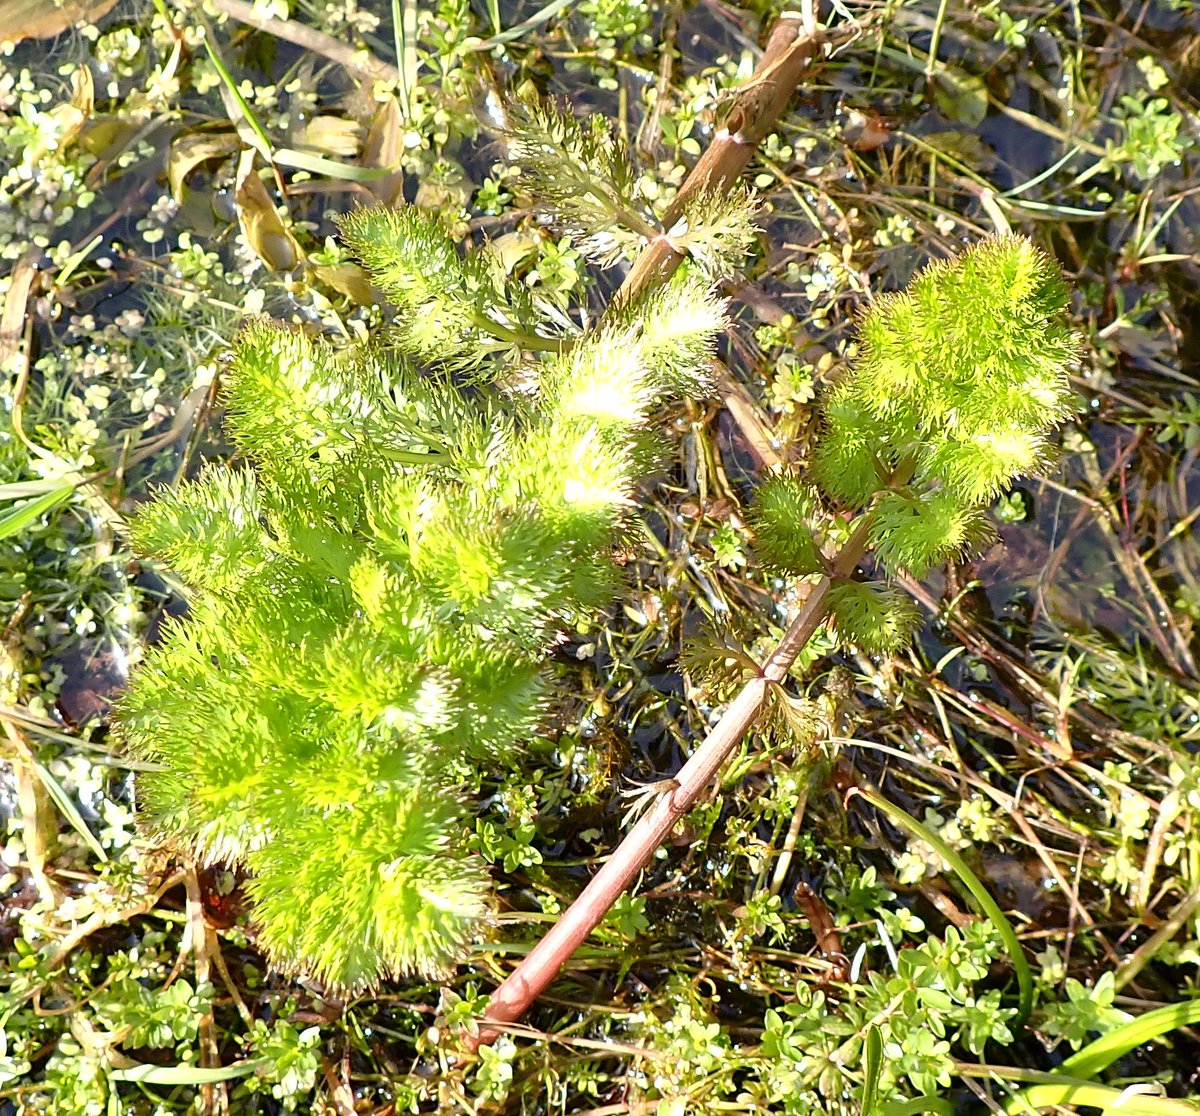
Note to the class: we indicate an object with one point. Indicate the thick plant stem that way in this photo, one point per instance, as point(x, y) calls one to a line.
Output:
point(756, 106)
point(526, 982)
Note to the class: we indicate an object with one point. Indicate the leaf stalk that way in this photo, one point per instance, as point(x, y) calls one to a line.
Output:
point(542, 964)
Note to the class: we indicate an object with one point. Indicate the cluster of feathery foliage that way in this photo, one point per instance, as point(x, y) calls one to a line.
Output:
point(378, 583)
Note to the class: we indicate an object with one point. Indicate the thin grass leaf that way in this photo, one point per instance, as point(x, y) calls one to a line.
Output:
point(71, 264)
point(1104, 1051)
point(19, 490)
point(46, 730)
point(404, 30)
point(982, 896)
point(872, 1067)
point(333, 168)
point(18, 518)
point(912, 1105)
point(1056, 210)
point(1123, 1102)
point(186, 1075)
point(518, 29)
point(1049, 172)
point(68, 810)
point(257, 137)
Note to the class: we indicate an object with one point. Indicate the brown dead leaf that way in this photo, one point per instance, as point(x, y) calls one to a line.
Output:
point(331, 135)
point(78, 111)
point(188, 152)
point(865, 130)
point(383, 148)
point(751, 421)
point(107, 136)
point(12, 320)
point(513, 248)
point(350, 280)
point(43, 19)
point(262, 226)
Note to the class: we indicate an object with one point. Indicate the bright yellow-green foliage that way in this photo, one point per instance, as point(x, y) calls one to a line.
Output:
point(376, 594)
point(785, 508)
point(958, 384)
point(959, 380)
point(876, 617)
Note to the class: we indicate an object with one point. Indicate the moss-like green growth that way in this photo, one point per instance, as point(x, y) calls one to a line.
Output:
point(377, 594)
point(958, 383)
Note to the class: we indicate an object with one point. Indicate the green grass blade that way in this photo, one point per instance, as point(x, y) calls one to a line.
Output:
point(404, 30)
point(19, 490)
point(517, 30)
point(981, 894)
point(318, 164)
point(872, 1067)
point(1047, 173)
point(185, 1075)
point(913, 1105)
point(261, 141)
point(16, 519)
point(1122, 1102)
point(69, 810)
point(300, 160)
point(1056, 210)
point(1104, 1051)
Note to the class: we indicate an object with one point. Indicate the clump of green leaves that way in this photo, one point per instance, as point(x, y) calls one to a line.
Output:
point(958, 384)
point(582, 175)
point(377, 592)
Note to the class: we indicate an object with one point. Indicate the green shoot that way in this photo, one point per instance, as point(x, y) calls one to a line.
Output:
point(376, 595)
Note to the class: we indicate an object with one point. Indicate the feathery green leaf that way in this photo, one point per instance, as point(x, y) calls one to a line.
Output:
point(784, 514)
point(875, 616)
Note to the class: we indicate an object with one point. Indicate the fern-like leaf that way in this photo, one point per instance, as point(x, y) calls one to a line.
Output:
point(913, 533)
point(717, 229)
point(210, 531)
point(582, 175)
point(785, 512)
point(455, 309)
point(378, 597)
point(875, 616)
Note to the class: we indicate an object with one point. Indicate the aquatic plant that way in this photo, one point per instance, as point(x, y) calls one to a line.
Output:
point(957, 386)
point(378, 589)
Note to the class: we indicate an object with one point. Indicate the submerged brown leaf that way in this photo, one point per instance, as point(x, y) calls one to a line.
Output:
point(330, 135)
point(12, 318)
point(188, 152)
point(265, 232)
point(383, 148)
point(350, 280)
point(40, 19)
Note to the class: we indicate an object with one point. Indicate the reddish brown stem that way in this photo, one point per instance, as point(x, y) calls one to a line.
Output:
point(510, 1001)
point(756, 106)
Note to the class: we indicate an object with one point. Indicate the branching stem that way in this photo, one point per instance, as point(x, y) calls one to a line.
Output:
point(532, 341)
point(756, 106)
point(793, 44)
point(620, 214)
point(510, 1001)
